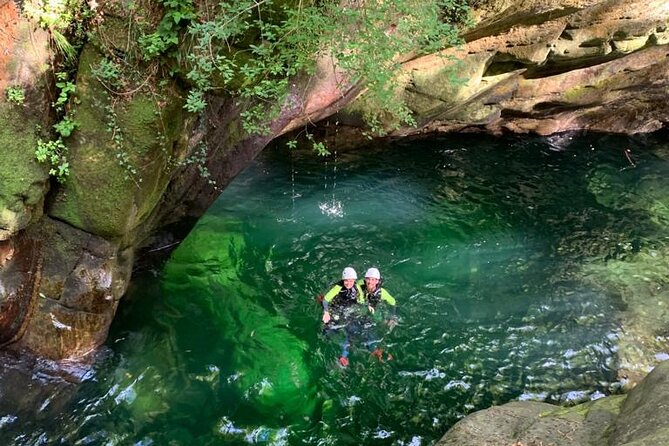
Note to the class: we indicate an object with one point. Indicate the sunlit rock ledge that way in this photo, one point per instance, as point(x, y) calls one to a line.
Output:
point(542, 67)
point(635, 419)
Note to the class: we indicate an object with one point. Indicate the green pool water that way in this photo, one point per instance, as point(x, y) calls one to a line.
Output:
point(513, 262)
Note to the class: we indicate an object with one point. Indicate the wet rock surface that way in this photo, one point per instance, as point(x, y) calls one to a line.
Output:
point(20, 261)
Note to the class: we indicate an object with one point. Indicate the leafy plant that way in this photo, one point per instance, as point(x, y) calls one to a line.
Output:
point(199, 159)
point(122, 156)
point(177, 12)
point(66, 126)
point(108, 73)
point(195, 101)
point(55, 153)
point(61, 18)
point(15, 95)
point(318, 146)
point(65, 89)
point(291, 144)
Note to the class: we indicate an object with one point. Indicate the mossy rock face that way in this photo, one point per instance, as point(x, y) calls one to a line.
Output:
point(23, 65)
point(121, 157)
point(24, 181)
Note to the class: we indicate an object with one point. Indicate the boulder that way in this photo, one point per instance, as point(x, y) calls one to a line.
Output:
point(618, 420)
point(641, 421)
point(531, 423)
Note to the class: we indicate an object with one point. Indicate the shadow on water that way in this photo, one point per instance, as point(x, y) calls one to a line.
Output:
point(512, 260)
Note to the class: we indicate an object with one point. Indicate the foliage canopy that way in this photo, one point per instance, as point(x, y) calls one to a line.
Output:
point(252, 48)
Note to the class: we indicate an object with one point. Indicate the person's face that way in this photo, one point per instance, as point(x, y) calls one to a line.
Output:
point(371, 283)
point(348, 283)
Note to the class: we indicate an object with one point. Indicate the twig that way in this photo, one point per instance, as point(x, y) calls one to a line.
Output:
point(169, 245)
point(628, 155)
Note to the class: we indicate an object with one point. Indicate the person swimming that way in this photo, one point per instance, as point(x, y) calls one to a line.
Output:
point(339, 305)
point(375, 296)
point(351, 307)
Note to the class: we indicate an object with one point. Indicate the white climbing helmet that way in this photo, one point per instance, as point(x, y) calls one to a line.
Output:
point(373, 273)
point(349, 273)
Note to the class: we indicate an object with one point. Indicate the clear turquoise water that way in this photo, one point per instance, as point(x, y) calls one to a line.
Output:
point(482, 241)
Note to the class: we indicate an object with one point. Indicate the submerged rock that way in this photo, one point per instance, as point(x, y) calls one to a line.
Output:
point(264, 361)
point(634, 269)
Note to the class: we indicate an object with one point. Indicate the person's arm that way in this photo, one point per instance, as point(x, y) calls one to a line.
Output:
point(390, 300)
point(386, 297)
point(326, 302)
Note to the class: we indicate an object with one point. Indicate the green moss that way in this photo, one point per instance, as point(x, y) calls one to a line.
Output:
point(18, 140)
point(119, 156)
point(24, 181)
point(112, 33)
point(575, 94)
point(140, 121)
point(611, 404)
point(579, 411)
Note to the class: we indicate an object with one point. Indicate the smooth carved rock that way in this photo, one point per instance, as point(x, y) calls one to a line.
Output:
point(82, 279)
point(613, 26)
point(545, 68)
point(20, 272)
